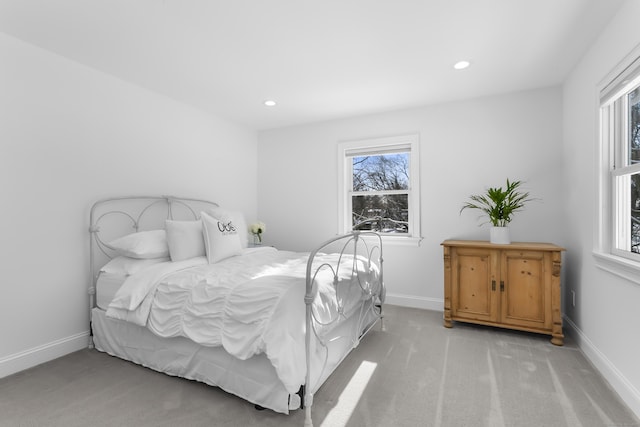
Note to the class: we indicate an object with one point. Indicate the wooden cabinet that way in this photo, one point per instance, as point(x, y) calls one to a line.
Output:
point(513, 286)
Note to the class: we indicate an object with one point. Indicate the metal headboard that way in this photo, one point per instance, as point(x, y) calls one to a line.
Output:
point(118, 216)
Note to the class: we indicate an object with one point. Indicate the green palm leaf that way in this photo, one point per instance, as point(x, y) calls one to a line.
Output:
point(499, 204)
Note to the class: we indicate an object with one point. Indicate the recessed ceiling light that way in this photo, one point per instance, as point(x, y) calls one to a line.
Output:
point(270, 103)
point(461, 65)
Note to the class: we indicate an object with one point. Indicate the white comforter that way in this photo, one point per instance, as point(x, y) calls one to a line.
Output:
point(248, 304)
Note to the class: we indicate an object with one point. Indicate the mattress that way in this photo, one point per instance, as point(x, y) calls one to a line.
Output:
point(106, 287)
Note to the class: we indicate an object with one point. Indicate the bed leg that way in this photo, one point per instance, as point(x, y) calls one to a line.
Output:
point(382, 327)
point(307, 417)
point(307, 410)
point(92, 298)
point(301, 393)
point(91, 346)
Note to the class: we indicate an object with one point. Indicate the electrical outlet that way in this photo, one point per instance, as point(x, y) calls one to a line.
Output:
point(573, 298)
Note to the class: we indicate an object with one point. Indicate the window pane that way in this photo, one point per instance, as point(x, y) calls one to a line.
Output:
point(635, 213)
point(633, 98)
point(381, 213)
point(381, 172)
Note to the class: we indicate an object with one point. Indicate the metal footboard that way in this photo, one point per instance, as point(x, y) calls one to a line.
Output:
point(364, 249)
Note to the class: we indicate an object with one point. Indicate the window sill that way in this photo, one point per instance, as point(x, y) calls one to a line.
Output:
point(401, 241)
point(622, 267)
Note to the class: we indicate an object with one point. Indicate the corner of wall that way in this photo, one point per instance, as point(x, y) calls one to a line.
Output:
point(627, 392)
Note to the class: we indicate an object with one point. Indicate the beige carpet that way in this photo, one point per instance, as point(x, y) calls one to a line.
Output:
point(417, 373)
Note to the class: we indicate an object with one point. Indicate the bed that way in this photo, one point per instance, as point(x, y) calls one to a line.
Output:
point(177, 287)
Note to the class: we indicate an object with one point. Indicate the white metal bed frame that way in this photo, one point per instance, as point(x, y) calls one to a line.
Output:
point(138, 213)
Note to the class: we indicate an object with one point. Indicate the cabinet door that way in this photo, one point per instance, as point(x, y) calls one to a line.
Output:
point(474, 282)
point(526, 289)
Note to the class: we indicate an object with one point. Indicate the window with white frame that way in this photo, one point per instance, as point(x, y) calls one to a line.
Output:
point(620, 155)
point(379, 186)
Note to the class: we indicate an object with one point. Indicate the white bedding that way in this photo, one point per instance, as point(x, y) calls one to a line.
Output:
point(107, 286)
point(247, 304)
point(254, 379)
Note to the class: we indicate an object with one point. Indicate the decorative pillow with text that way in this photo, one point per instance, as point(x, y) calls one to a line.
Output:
point(238, 222)
point(221, 238)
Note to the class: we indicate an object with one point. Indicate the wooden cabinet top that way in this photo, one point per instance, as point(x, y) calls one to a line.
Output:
point(538, 246)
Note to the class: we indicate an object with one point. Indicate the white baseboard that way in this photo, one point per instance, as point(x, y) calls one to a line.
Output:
point(41, 354)
point(415, 302)
point(627, 392)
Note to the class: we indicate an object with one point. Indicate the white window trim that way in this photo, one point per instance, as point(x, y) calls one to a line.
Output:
point(606, 256)
point(376, 144)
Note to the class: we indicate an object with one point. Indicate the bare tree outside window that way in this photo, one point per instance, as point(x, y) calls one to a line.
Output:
point(634, 157)
point(380, 194)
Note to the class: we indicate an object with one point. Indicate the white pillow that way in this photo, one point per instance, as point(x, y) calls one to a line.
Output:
point(142, 245)
point(185, 239)
point(221, 238)
point(126, 266)
point(238, 221)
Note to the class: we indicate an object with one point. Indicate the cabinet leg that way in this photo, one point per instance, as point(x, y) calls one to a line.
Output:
point(447, 320)
point(557, 337)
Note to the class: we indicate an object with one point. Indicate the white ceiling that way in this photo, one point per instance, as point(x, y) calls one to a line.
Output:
point(319, 59)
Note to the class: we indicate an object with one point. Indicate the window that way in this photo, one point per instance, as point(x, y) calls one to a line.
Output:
point(619, 220)
point(379, 186)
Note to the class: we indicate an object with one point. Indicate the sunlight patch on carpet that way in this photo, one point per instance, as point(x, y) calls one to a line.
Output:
point(350, 396)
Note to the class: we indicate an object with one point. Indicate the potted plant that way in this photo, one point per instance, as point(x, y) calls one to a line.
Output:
point(499, 205)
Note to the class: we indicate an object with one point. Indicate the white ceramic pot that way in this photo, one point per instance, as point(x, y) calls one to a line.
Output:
point(499, 235)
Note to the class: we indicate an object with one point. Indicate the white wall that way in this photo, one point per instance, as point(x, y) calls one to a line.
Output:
point(465, 147)
point(70, 135)
point(606, 316)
